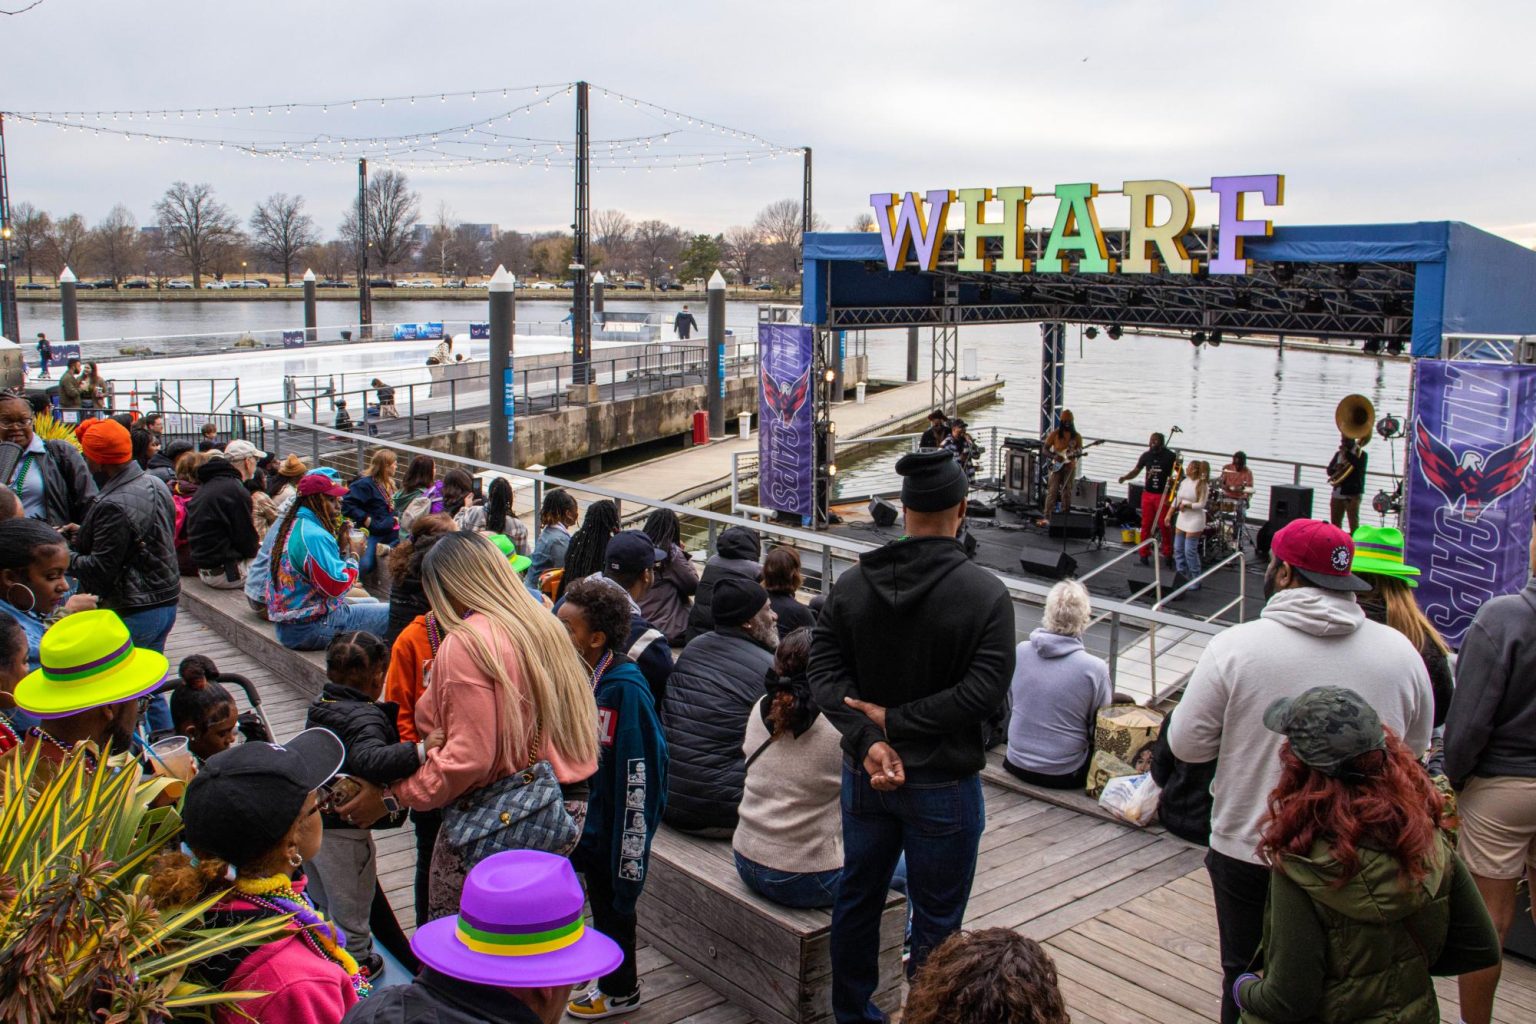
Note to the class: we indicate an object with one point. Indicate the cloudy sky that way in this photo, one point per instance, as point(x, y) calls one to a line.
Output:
point(1374, 111)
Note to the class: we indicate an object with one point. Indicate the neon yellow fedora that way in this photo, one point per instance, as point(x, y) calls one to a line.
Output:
point(1379, 551)
point(88, 660)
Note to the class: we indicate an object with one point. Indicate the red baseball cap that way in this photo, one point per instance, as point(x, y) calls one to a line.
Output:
point(1321, 552)
point(319, 483)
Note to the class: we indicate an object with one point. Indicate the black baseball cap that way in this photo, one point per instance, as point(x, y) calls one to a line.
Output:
point(631, 552)
point(246, 798)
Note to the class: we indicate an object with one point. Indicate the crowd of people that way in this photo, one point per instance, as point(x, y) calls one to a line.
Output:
point(537, 707)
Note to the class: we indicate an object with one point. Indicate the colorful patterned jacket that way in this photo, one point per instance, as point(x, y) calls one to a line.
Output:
point(309, 577)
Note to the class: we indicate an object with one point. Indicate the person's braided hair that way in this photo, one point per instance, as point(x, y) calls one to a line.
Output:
point(333, 523)
point(990, 976)
point(663, 528)
point(584, 557)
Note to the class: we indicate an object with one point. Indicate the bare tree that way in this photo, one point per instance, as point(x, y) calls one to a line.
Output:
point(743, 252)
point(511, 250)
point(612, 230)
point(67, 244)
point(114, 243)
point(392, 212)
point(656, 245)
point(467, 251)
point(332, 260)
point(32, 227)
point(196, 227)
point(280, 230)
point(780, 226)
point(863, 222)
point(437, 253)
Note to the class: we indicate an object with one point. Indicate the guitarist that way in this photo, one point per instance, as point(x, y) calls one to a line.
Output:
point(1066, 444)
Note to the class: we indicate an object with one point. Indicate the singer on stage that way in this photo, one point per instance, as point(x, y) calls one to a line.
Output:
point(1157, 461)
point(1066, 443)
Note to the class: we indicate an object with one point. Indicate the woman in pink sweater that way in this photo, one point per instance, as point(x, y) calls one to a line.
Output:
point(504, 673)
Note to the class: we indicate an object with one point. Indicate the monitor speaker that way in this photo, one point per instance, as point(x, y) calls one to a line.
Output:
point(1071, 524)
point(1088, 493)
point(1064, 567)
point(1287, 502)
point(882, 512)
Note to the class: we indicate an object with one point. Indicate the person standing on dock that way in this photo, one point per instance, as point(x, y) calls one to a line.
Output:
point(684, 324)
point(1158, 461)
point(910, 659)
point(1310, 629)
point(44, 354)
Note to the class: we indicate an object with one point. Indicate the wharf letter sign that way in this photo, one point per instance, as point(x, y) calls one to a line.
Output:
point(912, 226)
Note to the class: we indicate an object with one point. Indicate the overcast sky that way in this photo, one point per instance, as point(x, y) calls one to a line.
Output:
point(1375, 112)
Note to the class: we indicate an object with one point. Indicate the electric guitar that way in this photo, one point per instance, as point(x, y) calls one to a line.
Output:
point(1061, 459)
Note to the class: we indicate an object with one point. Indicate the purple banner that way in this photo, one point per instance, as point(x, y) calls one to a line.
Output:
point(1470, 488)
point(785, 448)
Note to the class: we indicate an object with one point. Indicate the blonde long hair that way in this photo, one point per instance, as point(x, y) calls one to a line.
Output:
point(1403, 613)
point(466, 570)
point(382, 468)
point(1201, 471)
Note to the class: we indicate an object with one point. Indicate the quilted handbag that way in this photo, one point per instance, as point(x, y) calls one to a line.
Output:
point(523, 811)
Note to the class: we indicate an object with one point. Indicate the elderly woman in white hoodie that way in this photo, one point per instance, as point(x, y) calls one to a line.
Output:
point(1057, 690)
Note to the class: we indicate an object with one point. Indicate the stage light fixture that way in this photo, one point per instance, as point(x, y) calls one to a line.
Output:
point(1393, 306)
point(1135, 297)
point(1114, 332)
point(1395, 346)
point(1315, 304)
point(1371, 346)
point(1349, 272)
point(830, 376)
point(1197, 339)
point(1242, 300)
point(831, 469)
point(1091, 333)
point(1284, 273)
point(1215, 339)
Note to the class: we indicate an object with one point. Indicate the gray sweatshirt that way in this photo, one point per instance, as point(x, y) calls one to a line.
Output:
point(1305, 637)
point(1057, 690)
point(1491, 727)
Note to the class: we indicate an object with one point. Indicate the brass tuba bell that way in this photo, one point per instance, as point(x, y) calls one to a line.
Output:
point(1355, 417)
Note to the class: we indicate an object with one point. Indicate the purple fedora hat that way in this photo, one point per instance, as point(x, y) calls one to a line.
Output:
point(519, 926)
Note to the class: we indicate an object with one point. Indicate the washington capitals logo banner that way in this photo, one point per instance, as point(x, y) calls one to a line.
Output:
point(1471, 491)
point(785, 456)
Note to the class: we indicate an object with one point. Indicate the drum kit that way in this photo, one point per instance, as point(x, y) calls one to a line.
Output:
point(1225, 524)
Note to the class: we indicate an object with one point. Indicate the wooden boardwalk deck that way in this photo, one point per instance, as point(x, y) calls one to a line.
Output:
point(1126, 913)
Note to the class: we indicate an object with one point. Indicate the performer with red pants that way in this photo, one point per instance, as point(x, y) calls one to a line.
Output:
point(1157, 461)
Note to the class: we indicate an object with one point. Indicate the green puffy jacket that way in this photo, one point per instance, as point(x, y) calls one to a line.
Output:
point(1364, 952)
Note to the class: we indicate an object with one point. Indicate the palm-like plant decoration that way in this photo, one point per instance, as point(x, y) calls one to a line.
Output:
point(50, 429)
point(80, 938)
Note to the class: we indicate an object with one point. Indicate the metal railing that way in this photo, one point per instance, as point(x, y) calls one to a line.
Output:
point(826, 554)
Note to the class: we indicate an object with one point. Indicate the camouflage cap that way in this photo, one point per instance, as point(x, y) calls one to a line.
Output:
point(1328, 726)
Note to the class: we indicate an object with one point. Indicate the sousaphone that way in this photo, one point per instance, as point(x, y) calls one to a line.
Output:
point(1355, 417)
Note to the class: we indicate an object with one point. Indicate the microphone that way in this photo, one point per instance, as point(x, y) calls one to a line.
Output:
point(1176, 430)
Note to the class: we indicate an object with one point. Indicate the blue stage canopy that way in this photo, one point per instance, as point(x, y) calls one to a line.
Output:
point(1409, 283)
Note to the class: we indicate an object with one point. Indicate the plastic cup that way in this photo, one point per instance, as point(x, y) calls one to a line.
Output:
point(172, 757)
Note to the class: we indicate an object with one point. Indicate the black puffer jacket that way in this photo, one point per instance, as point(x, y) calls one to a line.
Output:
point(713, 688)
point(126, 551)
point(367, 729)
point(68, 489)
point(1184, 807)
point(219, 525)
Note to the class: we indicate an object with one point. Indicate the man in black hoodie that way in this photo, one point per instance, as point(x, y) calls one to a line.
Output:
point(912, 654)
point(220, 531)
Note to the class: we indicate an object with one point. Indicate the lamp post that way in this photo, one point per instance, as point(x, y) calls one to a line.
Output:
point(9, 328)
point(242, 273)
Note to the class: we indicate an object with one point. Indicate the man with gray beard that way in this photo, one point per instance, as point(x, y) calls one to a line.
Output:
point(717, 682)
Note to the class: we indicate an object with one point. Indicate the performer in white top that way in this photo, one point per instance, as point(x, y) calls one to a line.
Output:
point(1189, 503)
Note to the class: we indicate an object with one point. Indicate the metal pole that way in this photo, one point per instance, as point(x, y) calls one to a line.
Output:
point(581, 312)
point(71, 309)
point(10, 325)
point(364, 297)
point(714, 385)
point(310, 317)
point(807, 216)
point(503, 315)
point(911, 354)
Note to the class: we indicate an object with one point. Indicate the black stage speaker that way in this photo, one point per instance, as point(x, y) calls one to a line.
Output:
point(1020, 475)
point(1064, 567)
point(882, 511)
point(1135, 492)
point(1088, 493)
point(1071, 524)
point(1287, 502)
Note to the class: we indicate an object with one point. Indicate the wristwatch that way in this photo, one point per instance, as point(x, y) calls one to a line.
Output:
point(390, 803)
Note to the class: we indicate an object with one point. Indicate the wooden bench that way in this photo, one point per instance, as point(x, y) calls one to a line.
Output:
point(772, 960)
point(228, 614)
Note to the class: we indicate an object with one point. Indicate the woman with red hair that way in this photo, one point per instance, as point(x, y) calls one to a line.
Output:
point(1367, 900)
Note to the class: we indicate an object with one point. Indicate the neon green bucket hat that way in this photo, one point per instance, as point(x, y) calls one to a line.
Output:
point(1379, 552)
point(520, 563)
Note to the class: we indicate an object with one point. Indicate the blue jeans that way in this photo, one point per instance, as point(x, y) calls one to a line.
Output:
point(804, 890)
point(151, 628)
point(370, 557)
point(938, 824)
point(316, 636)
point(1186, 556)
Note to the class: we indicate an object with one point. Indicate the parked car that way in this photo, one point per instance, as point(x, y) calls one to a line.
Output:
point(764, 287)
point(420, 283)
point(567, 284)
point(33, 286)
point(633, 286)
point(332, 282)
point(179, 286)
point(136, 285)
point(380, 282)
point(543, 286)
point(257, 283)
point(215, 286)
point(669, 286)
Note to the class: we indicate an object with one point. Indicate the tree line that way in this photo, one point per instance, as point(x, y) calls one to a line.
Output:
point(194, 233)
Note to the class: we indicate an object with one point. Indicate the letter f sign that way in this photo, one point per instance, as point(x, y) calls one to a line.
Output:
point(906, 223)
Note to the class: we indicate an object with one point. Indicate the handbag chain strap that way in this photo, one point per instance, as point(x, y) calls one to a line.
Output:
point(538, 741)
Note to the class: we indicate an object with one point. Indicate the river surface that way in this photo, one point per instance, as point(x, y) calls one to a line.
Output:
point(1267, 402)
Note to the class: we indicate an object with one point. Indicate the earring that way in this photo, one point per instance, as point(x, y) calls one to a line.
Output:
point(32, 597)
point(294, 860)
